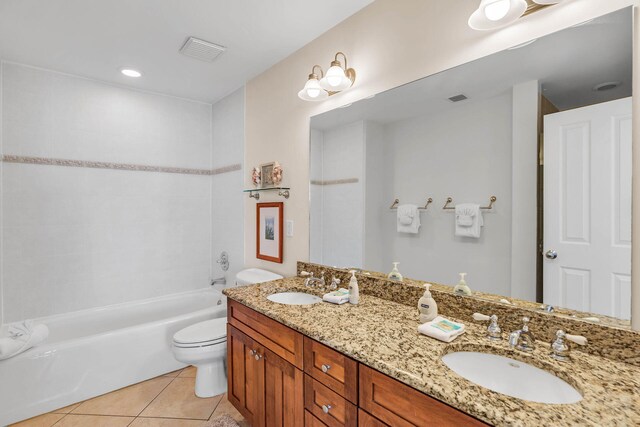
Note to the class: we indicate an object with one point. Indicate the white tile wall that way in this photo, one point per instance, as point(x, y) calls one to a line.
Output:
point(226, 191)
point(76, 238)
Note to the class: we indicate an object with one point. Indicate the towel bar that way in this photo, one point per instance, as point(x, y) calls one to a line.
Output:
point(397, 201)
point(492, 200)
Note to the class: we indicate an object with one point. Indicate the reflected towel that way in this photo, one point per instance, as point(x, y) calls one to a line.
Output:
point(469, 220)
point(408, 219)
point(22, 336)
point(442, 329)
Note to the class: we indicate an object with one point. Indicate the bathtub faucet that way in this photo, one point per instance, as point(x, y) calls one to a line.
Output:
point(220, 280)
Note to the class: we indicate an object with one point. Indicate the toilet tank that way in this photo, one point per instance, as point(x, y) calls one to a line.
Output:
point(252, 276)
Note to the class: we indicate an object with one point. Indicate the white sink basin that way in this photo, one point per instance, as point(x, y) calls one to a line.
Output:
point(294, 298)
point(511, 377)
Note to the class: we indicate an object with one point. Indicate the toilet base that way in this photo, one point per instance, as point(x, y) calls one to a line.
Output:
point(211, 378)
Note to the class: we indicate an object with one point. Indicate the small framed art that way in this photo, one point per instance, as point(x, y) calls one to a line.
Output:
point(266, 174)
point(269, 231)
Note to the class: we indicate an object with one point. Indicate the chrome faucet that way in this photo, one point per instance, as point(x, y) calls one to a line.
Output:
point(334, 283)
point(523, 339)
point(220, 280)
point(314, 281)
point(560, 348)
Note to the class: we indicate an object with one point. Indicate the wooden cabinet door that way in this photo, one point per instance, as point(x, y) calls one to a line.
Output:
point(245, 376)
point(283, 392)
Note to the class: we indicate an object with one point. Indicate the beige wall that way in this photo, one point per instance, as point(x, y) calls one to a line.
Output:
point(389, 43)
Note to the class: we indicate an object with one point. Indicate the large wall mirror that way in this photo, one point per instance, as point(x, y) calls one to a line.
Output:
point(544, 127)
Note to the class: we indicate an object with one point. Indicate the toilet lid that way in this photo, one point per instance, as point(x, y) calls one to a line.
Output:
point(209, 330)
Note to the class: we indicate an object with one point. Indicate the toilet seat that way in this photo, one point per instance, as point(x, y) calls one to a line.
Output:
point(203, 334)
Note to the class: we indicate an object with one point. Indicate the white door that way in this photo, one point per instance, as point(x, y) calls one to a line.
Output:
point(587, 209)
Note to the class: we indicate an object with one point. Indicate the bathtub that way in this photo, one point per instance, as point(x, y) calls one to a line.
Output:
point(92, 352)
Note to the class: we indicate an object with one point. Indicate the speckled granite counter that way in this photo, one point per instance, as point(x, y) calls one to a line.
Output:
point(383, 335)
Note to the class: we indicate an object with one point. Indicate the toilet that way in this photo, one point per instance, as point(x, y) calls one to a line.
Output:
point(204, 344)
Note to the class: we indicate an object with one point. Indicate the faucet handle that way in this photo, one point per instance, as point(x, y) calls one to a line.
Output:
point(578, 339)
point(493, 330)
point(305, 274)
point(560, 349)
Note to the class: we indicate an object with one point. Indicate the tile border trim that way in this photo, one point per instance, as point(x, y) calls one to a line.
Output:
point(117, 166)
point(335, 181)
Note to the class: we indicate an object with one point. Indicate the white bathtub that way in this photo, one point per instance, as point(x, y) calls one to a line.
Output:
point(95, 351)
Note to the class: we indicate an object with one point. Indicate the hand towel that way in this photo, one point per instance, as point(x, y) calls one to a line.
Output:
point(442, 329)
point(337, 297)
point(22, 337)
point(469, 220)
point(408, 219)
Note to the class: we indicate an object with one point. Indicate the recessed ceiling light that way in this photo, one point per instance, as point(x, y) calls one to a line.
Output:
point(603, 87)
point(130, 72)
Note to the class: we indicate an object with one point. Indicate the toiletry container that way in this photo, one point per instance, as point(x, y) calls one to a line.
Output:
point(354, 291)
point(461, 288)
point(395, 274)
point(427, 306)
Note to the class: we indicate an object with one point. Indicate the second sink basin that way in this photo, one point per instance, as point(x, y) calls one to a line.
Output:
point(511, 377)
point(294, 298)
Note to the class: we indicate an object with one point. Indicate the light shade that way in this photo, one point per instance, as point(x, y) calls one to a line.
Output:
point(335, 79)
point(312, 90)
point(492, 14)
point(130, 72)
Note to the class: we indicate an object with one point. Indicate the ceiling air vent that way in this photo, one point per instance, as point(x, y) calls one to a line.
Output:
point(458, 98)
point(201, 49)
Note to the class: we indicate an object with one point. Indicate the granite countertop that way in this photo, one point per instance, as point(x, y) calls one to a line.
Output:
point(383, 334)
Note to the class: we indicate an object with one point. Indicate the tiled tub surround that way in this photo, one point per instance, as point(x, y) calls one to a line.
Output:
point(616, 343)
point(382, 334)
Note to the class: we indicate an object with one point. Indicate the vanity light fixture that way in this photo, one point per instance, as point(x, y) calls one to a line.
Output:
point(337, 79)
point(312, 91)
point(492, 14)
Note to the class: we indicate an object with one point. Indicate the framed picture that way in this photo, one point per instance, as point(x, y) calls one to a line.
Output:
point(269, 231)
point(266, 173)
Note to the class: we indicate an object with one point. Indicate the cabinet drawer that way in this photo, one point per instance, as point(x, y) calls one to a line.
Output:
point(366, 420)
point(283, 341)
point(402, 406)
point(333, 369)
point(311, 421)
point(328, 406)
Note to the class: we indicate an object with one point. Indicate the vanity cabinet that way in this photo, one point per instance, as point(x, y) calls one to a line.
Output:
point(278, 377)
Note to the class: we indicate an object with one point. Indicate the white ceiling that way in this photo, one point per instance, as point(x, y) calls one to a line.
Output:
point(95, 38)
point(568, 64)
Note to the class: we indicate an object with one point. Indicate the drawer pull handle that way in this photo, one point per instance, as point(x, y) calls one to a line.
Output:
point(258, 356)
point(325, 368)
point(326, 408)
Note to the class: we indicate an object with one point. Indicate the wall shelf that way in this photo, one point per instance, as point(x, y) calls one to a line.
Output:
point(255, 192)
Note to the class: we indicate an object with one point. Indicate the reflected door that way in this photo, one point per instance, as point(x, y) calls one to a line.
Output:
point(587, 209)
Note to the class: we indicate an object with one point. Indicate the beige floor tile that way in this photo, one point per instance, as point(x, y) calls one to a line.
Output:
point(173, 374)
point(73, 420)
point(129, 401)
point(189, 372)
point(178, 400)
point(46, 420)
point(165, 422)
point(66, 409)
point(226, 408)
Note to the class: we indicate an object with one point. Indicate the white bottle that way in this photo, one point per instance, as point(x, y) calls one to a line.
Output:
point(354, 291)
point(427, 306)
point(395, 274)
point(462, 288)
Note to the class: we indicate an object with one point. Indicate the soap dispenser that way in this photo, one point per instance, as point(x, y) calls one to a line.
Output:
point(427, 306)
point(395, 274)
point(354, 291)
point(462, 288)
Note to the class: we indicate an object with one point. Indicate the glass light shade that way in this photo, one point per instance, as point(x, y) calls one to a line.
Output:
point(493, 14)
point(312, 91)
point(335, 80)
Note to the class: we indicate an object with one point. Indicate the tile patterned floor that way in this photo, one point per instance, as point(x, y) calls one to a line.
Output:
point(165, 401)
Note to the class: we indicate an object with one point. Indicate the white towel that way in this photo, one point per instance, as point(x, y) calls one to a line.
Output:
point(22, 336)
point(408, 219)
point(337, 297)
point(469, 220)
point(442, 329)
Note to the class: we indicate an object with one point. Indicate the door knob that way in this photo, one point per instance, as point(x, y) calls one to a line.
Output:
point(551, 254)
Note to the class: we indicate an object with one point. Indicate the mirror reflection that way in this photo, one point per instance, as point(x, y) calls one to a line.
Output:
point(525, 156)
